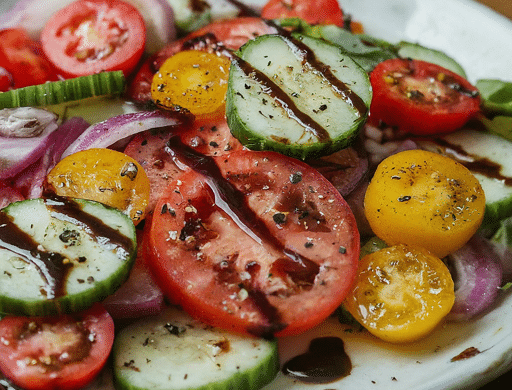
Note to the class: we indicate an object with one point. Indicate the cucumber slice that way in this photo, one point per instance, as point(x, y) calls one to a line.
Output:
point(279, 100)
point(61, 255)
point(95, 109)
point(422, 53)
point(488, 156)
point(190, 15)
point(173, 351)
point(55, 92)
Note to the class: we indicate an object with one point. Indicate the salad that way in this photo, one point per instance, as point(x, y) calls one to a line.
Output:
point(220, 195)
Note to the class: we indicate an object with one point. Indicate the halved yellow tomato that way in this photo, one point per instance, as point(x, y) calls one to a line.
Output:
point(103, 175)
point(401, 293)
point(423, 198)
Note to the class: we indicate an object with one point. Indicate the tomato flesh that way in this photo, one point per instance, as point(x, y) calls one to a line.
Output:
point(264, 246)
point(88, 37)
point(312, 11)
point(46, 353)
point(421, 98)
point(22, 61)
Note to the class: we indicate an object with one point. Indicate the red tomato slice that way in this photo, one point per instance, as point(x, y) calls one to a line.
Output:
point(47, 353)
point(9, 194)
point(91, 36)
point(274, 254)
point(312, 11)
point(421, 98)
point(209, 135)
point(231, 33)
point(22, 60)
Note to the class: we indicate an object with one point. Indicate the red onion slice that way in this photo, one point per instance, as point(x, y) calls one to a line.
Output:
point(477, 273)
point(25, 134)
point(32, 16)
point(107, 133)
point(31, 179)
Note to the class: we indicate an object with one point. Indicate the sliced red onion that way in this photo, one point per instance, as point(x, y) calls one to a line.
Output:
point(477, 274)
point(117, 128)
point(31, 178)
point(32, 15)
point(138, 296)
point(25, 134)
point(8, 195)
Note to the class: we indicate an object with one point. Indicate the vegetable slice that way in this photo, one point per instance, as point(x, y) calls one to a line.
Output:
point(59, 255)
point(105, 83)
point(174, 351)
point(297, 95)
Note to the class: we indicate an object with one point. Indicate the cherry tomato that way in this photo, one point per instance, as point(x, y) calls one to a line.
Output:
point(401, 293)
point(263, 245)
point(47, 353)
point(421, 98)
point(22, 60)
point(192, 79)
point(422, 198)
point(312, 11)
point(91, 36)
point(230, 33)
point(103, 175)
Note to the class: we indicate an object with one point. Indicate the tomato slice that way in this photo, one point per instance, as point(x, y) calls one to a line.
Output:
point(22, 61)
point(209, 135)
point(46, 353)
point(312, 11)
point(257, 243)
point(90, 36)
point(421, 98)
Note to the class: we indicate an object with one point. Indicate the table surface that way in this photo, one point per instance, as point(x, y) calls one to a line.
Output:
point(502, 6)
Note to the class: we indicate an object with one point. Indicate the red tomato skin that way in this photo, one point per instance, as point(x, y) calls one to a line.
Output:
point(312, 11)
point(72, 376)
point(391, 106)
point(60, 47)
point(23, 60)
point(232, 33)
point(188, 278)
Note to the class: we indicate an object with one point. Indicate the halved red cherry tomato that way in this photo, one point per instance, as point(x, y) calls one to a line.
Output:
point(47, 353)
point(421, 98)
point(264, 245)
point(90, 36)
point(312, 11)
point(22, 61)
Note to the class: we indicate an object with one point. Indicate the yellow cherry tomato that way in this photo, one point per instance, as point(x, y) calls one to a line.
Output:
point(401, 293)
point(103, 175)
point(192, 79)
point(422, 198)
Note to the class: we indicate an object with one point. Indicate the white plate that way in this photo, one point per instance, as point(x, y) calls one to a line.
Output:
point(481, 41)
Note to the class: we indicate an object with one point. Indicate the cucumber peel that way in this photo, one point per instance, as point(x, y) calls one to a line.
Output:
point(173, 351)
point(53, 260)
point(55, 92)
point(280, 101)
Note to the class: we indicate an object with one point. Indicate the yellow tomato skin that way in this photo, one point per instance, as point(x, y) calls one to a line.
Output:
point(192, 79)
point(401, 293)
point(421, 198)
point(105, 176)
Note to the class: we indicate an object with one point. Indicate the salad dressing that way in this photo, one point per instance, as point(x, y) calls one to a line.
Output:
point(477, 164)
point(325, 361)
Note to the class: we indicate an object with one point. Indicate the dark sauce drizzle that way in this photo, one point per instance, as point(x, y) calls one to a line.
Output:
point(480, 165)
point(324, 362)
point(234, 203)
point(54, 267)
